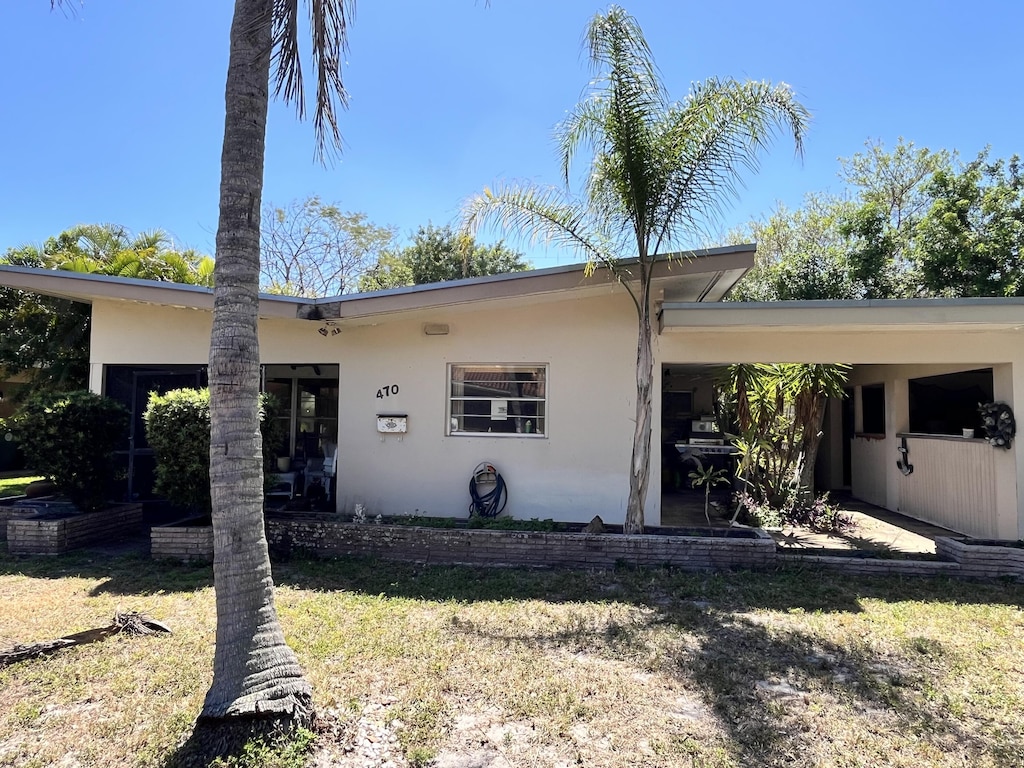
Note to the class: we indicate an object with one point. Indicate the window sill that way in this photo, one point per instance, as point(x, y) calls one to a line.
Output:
point(503, 435)
point(929, 436)
point(871, 435)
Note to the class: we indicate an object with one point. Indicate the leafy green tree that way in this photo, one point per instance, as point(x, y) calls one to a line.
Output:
point(859, 244)
point(801, 254)
point(657, 168)
point(392, 270)
point(178, 431)
point(49, 337)
point(311, 248)
point(440, 254)
point(71, 438)
point(969, 242)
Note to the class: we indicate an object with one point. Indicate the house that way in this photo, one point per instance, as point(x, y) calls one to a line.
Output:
point(534, 372)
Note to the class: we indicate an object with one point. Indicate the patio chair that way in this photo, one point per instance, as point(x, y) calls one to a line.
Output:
point(322, 471)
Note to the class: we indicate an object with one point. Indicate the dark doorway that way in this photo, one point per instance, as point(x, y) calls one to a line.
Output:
point(131, 385)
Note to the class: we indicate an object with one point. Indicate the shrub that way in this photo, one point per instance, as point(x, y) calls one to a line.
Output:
point(178, 431)
point(71, 438)
point(819, 515)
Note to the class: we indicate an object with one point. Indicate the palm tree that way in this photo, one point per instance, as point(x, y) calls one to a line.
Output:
point(257, 679)
point(257, 685)
point(658, 170)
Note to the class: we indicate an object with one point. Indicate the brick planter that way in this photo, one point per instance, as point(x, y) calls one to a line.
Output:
point(187, 540)
point(983, 558)
point(21, 507)
point(53, 532)
point(726, 550)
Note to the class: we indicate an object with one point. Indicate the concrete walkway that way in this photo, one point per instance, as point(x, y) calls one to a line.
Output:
point(875, 529)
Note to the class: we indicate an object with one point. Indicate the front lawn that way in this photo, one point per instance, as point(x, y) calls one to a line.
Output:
point(15, 486)
point(529, 668)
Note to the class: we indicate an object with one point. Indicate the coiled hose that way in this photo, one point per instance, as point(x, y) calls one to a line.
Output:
point(487, 503)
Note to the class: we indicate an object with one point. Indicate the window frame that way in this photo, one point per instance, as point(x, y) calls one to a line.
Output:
point(502, 367)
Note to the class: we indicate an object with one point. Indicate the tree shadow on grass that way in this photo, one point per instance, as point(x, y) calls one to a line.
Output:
point(768, 686)
point(756, 678)
point(132, 574)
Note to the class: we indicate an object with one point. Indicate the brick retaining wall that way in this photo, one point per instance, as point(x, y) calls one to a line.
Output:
point(189, 543)
point(22, 506)
point(874, 566)
point(520, 548)
point(49, 534)
point(982, 561)
point(329, 538)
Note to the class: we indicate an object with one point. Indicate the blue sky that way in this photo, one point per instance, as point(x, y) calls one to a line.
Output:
point(115, 113)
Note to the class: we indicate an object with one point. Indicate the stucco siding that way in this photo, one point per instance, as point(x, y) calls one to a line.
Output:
point(588, 341)
point(578, 470)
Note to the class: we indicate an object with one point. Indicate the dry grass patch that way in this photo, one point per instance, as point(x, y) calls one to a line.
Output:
point(524, 668)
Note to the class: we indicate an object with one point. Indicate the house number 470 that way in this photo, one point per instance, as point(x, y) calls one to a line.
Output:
point(388, 391)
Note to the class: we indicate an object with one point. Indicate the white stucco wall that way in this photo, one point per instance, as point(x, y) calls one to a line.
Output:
point(579, 470)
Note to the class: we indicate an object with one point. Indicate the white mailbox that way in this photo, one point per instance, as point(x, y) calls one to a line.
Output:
point(390, 423)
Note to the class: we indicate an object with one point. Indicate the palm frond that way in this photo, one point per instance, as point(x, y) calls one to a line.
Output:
point(286, 61)
point(718, 132)
point(329, 22)
point(583, 126)
point(203, 274)
point(616, 44)
point(537, 214)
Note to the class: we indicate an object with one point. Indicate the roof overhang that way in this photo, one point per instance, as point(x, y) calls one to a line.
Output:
point(980, 314)
point(696, 276)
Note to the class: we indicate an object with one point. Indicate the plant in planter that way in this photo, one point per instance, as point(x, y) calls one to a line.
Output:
point(71, 438)
point(178, 431)
point(707, 478)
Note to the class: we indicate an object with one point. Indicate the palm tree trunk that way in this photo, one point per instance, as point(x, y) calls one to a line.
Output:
point(810, 443)
point(255, 674)
point(640, 463)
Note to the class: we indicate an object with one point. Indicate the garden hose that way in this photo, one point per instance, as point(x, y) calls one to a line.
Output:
point(487, 503)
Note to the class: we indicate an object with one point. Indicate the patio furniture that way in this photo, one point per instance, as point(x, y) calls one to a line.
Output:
point(322, 471)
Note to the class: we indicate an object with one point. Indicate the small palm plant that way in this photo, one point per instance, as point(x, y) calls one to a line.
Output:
point(708, 478)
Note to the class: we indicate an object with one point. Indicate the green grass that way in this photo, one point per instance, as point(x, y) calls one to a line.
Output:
point(15, 486)
point(615, 669)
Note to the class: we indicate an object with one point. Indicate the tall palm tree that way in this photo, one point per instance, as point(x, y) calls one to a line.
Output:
point(256, 676)
point(658, 171)
point(257, 682)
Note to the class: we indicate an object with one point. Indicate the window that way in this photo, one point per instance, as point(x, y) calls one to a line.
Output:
point(497, 399)
point(872, 398)
point(308, 400)
point(947, 404)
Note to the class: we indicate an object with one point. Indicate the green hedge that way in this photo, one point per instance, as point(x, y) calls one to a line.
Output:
point(71, 438)
point(178, 431)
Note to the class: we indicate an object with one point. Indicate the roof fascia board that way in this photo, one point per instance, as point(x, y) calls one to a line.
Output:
point(722, 265)
point(826, 315)
point(730, 263)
